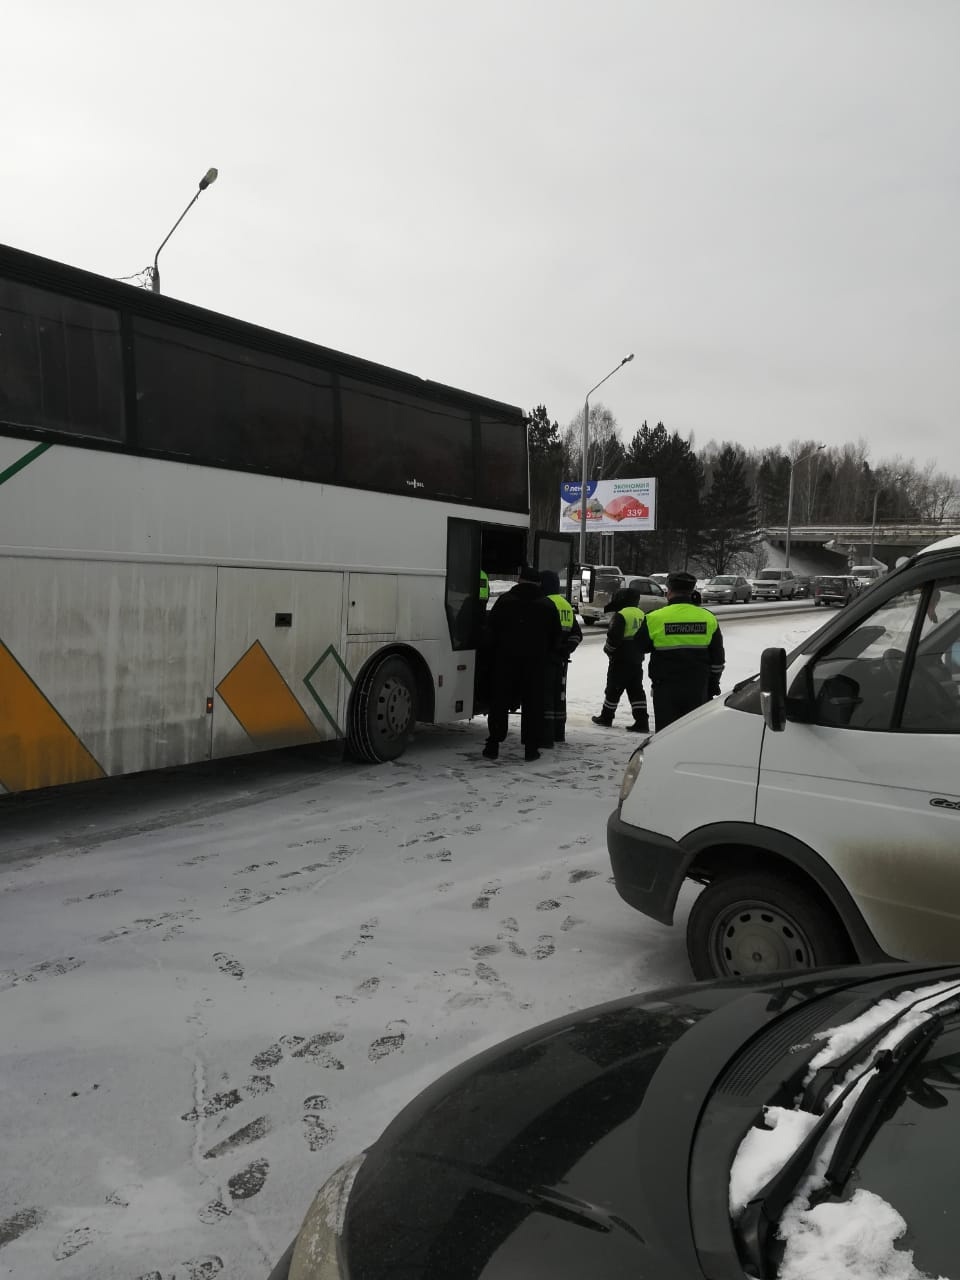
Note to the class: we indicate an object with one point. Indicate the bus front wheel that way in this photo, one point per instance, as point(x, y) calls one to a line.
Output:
point(383, 710)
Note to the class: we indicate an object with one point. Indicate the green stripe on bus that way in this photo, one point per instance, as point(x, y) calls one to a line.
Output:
point(22, 462)
point(329, 652)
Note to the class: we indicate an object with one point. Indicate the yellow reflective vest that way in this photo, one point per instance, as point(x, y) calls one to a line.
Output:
point(565, 610)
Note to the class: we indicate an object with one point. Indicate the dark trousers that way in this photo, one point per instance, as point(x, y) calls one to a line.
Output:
point(525, 685)
point(624, 677)
point(555, 704)
point(673, 700)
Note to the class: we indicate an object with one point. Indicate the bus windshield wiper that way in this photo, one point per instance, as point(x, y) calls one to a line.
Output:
point(756, 1226)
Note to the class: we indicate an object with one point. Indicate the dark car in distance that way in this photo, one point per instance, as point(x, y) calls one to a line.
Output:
point(633, 1139)
point(839, 589)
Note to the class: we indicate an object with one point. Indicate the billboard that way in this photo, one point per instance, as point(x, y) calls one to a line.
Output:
point(613, 506)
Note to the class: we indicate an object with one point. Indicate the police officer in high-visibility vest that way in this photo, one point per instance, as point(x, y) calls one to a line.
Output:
point(625, 670)
point(686, 652)
point(555, 701)
point(484, 592)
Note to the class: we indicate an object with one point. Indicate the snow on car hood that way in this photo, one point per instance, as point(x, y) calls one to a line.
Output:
point(855, 1239)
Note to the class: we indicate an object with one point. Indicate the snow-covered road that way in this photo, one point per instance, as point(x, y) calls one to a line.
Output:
point(217, 984)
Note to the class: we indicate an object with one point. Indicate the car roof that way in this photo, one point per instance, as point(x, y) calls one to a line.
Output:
point(945, 544)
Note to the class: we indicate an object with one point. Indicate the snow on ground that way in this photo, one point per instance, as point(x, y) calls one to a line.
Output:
point(217, 984)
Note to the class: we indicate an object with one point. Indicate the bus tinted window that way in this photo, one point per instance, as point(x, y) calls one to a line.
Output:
point(218, 402)
point(503, 465)
point(404, 444)
point(60, 363)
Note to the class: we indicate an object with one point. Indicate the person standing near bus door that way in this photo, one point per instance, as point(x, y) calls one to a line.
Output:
point(686, 652)
point(625, 669)
point(555, 697)
point(524, 631)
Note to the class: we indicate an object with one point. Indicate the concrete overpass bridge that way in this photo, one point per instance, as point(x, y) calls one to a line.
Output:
point(850, 543)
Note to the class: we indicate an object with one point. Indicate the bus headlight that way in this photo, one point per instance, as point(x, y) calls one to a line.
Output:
point(632, 772)
point(316, 1255)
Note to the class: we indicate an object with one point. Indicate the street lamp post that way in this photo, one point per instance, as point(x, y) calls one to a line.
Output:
point(813, 454)
point(207, 180)
point(586, 443)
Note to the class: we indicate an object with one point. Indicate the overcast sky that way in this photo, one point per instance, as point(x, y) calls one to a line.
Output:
point(760, 199)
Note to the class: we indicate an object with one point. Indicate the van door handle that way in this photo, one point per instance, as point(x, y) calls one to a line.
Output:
point(941, 802)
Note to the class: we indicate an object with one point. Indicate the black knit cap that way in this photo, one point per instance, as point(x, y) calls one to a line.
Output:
point(528, 574)
point(682, 583)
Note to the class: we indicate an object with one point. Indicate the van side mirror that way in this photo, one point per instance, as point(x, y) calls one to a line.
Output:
point(587, 584)
point(773, 689)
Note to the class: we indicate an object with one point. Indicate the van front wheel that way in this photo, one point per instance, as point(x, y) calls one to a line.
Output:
point(752, 923)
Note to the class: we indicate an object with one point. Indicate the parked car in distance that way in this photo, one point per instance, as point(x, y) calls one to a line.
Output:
point(804, 587)
point(827, 810)
point(660, 578)
point(839, 589)
point(866, 574)
point(635, 1139)
point(594, 587)
point(648, 587)
point(774, 584)
point(727, 588)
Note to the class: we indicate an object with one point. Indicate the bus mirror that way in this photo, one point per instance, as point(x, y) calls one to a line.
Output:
point(773, 689)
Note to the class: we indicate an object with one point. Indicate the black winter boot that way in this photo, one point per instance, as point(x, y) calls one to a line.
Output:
point(491, 750)
point(640, 725)
point(605, 721)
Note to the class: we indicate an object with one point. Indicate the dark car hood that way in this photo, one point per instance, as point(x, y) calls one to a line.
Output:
point(565, 1151)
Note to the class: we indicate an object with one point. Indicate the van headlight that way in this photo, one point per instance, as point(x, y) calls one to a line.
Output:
point(316, 1255)
point(632, 772)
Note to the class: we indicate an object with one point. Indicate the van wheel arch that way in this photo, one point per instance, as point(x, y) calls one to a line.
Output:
point(745, 849)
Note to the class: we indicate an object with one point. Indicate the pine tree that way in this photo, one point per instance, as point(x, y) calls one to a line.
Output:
point(729, 512)
point(546, 470)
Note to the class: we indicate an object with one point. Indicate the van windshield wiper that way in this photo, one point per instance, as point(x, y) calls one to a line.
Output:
point(756, 1226)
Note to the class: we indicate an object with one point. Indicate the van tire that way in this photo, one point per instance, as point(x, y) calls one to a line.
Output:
point(747, 924)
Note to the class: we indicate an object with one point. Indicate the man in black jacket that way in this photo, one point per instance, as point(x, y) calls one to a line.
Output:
point(524, 628)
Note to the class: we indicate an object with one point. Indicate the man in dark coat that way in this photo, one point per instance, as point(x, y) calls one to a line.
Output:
point(686, 652)
point(524, 628)
point(625, 669)
point(555, 708)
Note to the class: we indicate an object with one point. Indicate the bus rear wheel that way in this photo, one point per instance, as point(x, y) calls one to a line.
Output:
point(383, 711)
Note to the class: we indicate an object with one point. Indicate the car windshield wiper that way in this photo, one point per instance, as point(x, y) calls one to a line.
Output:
point(824, 1079)
point(756, 1226)
point(891, 1065)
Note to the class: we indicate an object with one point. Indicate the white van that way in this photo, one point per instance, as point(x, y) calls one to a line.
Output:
point(819, 803)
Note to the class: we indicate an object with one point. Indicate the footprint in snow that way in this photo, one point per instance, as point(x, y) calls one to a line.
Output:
point(213, 1106)
point(267, 1057)
point(486, 974)
point(213, 1212)
point(489, 949)
point(388, 1043)
point(73, 1243)
point(249, 1181)
point(545, 947)
point(570, 922)
point(548, 904)
point(251, 1132)
point(23, 1220)
point(482, 901)
point(317, 1132)
point(227, 964)
point(576, 877)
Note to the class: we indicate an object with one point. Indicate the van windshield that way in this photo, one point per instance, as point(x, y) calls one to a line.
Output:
point(770, 575)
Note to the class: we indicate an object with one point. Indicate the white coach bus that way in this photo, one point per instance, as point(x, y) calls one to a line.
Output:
point(215, 539)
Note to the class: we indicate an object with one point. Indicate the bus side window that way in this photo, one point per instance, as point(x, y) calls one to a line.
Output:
point(60, 363)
